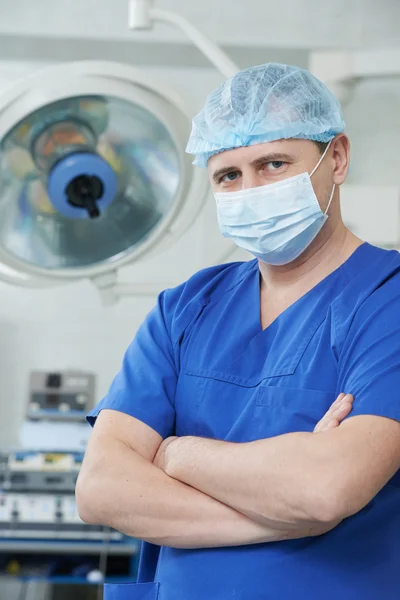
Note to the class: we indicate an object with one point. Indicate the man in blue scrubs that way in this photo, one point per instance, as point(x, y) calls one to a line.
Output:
point(212, 442)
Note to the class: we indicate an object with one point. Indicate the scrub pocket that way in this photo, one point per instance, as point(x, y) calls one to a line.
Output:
point(213, 405)
point(131, 591)
point(291, 409)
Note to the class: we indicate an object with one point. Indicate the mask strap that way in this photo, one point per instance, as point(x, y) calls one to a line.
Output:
point(330, 199)
point(321, 159)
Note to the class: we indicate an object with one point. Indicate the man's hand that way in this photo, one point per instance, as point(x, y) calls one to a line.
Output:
point(335, 415)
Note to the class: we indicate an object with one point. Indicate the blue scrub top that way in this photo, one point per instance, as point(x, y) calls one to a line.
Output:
point(202, 365)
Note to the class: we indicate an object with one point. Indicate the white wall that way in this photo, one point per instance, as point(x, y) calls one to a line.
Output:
point(373, 124)
point(294, 23)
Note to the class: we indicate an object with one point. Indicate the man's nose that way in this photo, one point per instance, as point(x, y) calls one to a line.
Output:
point(251, 179)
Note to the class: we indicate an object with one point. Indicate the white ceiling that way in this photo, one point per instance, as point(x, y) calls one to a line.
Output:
point(250, 30)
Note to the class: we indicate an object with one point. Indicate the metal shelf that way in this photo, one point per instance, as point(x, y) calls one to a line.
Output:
point(69, 580)
point(65, 547)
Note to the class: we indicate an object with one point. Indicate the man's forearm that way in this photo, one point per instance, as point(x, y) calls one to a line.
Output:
point(273, 481)
point(126, 492)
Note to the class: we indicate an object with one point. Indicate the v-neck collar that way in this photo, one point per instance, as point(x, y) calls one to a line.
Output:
point(316, 289)
point(277, 350)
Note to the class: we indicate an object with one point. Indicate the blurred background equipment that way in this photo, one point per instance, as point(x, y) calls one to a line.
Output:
point(56, 409)
point(42, 538)
point(37, 499)
point(38, 483)
point(63, 395)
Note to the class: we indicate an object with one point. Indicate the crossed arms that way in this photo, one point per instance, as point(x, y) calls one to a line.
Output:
point(194, 493)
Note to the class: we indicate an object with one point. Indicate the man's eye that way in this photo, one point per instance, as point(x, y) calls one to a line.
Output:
point(274, 165)
point(231, 176)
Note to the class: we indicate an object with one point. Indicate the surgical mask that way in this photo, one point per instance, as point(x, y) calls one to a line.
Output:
point(274, 222)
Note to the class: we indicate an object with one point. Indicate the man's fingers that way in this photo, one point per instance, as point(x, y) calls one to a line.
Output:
point(338, 400)
point(332, 424)
point(338, 411)
point(343, 400)
point(343, 410)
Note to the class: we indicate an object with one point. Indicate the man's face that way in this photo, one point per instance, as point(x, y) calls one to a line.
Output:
point(262, 164)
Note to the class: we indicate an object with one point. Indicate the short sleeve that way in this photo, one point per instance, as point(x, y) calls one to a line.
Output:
point(369, 365)
point(145, 386)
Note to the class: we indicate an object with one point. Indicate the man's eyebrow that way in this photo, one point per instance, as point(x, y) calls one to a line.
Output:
point(272, 156)
point(219, 172)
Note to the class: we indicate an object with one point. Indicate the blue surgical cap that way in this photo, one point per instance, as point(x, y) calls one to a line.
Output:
point(262, 104)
